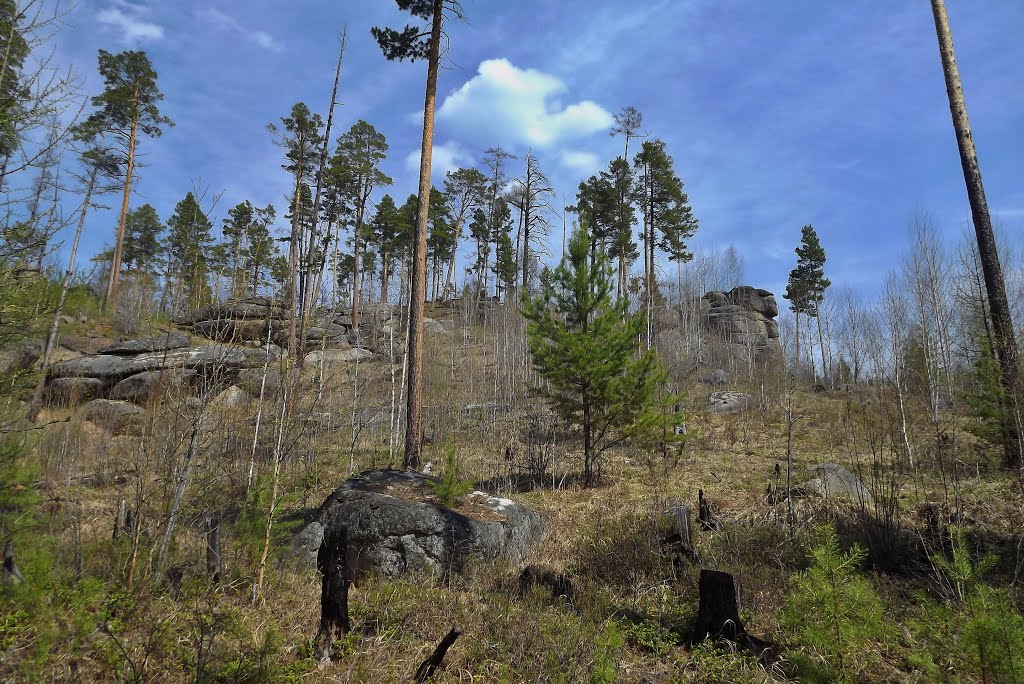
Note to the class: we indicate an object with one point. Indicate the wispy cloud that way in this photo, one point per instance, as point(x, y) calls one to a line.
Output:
point(126, 18)
point(226, 22)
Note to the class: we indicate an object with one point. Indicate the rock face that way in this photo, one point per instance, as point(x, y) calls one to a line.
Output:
point(174, 340)
point(743, 319)
point(713, 377)
point(394, 531)
point(722, 403)
point(124, 375)
point(72, 391)
point(835, 482)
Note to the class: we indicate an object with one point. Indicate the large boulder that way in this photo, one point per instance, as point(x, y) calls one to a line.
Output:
point(721, 403)
point(115, 416)
point(331, 357)
point(834, 482)
point(394, 528)
point(174, 340)
point(143, 387)
point(20, 356)
point(72, 391)
point(432, 327)
point(101, 367)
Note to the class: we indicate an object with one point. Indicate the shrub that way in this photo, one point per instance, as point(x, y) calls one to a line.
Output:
point(978, 631)
point(833, 610)
point(449, 490)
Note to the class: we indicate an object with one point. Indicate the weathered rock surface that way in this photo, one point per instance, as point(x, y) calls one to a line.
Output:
point(335, 356)
point(713, 377)
point(143, 387)
point(432, 327)
point(115, 416)
point(72, 391)
point(834, 482)
point(174, 340)
point(251, 380)
point(744, 320)
point(206, 357)
point(20, 356)
point(722, 403)
point(394, 531)
point(231, 398)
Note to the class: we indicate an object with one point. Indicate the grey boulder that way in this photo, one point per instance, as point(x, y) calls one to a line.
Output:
point(72, 391)
point(834, 482)
point(333, 356)
point(721, 403)
point(393, 529)
point(115, 416)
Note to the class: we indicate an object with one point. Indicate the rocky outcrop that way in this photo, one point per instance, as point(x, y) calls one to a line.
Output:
point(743, 320)
point(125, 376)
point(330, 357)
point(395, 529)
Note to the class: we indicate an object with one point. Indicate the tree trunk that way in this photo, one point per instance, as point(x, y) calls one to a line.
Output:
point(414, 408)
point(11, 574)
point(1002, 323)
point(332, 562)
point(718, 615)
point(821, 345)
point(51, 337)
point(213, 548)
point(115, 263)
point(309, 298)
point(293, 265)
point(427, 667)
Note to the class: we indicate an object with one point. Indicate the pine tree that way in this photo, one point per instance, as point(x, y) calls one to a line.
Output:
point(14, 49)
point(584, 345)
point(142, 248)
point(357, 162)
point(126, 108)
point(807, 283)
point(440, 237)
point(262, 261)
point(668, 218)
point(385, 231)
point(301, 138)
point(188, 244)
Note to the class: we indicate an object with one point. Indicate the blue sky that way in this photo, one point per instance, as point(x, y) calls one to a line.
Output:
point(778, 114)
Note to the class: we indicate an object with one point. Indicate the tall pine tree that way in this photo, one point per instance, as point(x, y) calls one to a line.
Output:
point(126, 108)
point(188, 244)
point(807, 284)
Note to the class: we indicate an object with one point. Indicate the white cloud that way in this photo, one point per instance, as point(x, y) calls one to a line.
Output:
point(508, 105)
point(583, 163)
point(133, 28)
point(444, 158)
point(220, 20)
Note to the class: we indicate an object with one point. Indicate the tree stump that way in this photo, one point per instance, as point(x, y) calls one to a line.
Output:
point(332, 562)
point(427, 667)
point(707, 518)
point(11, 574)
point(718, 615)
point(213, 548)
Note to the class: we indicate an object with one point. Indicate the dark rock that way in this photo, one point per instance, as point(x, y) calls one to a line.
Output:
point(713, 377)
point(142, 387)
point(115, 416)
point(730, 402)
point(174, 340)
point(558, 583)
point(743, 318)
point(835, 482)
point(20, 356)
point(396, 536)
point(92, 367)
point(72, 391)
point(252, 381)
point(231, 330)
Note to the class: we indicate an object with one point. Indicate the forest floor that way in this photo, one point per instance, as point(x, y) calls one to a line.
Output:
point(76, 618)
